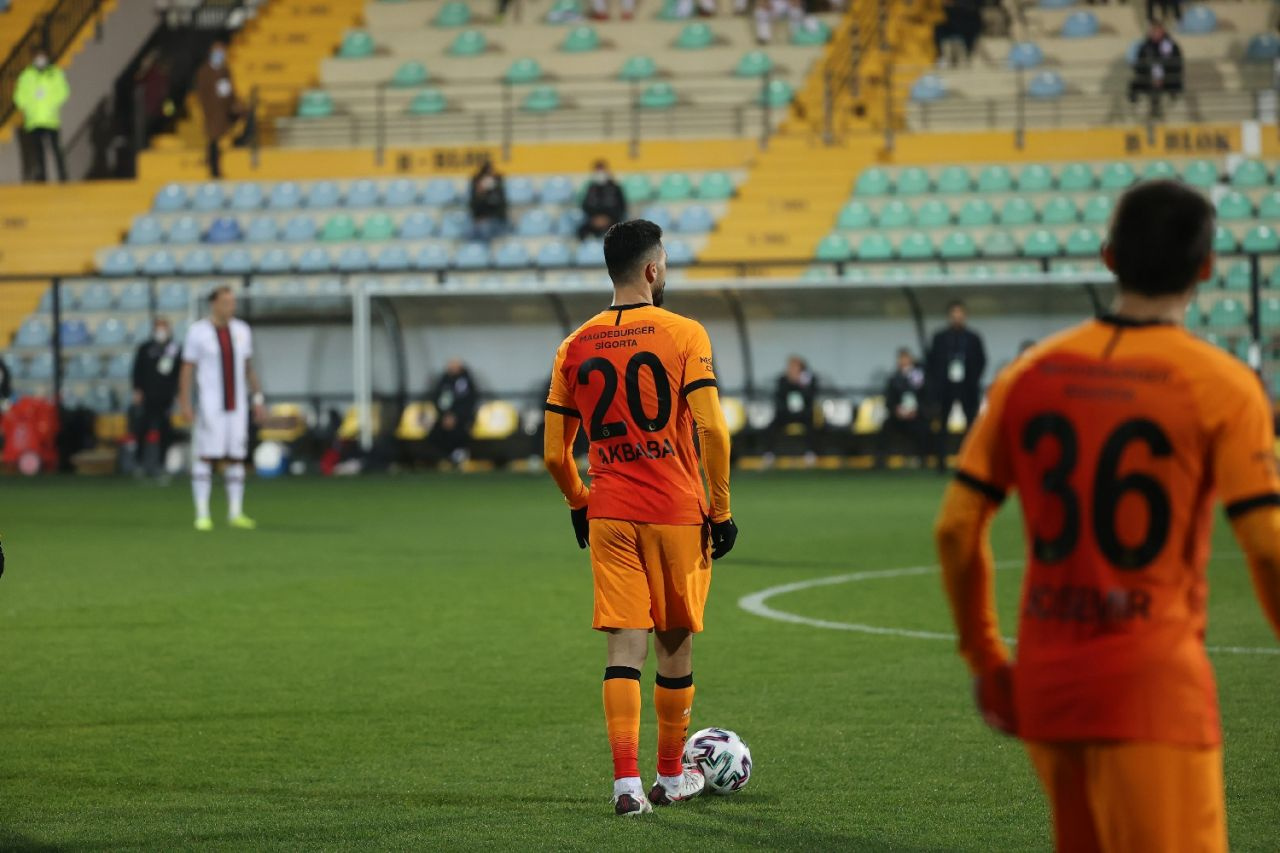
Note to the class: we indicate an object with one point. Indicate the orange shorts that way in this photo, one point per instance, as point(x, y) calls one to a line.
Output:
point(1133, 797)
point(649, 575)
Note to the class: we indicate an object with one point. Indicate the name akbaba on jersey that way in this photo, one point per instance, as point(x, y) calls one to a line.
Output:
point(635, 451)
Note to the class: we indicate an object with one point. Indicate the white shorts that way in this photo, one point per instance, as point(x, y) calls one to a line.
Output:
point(222, 435)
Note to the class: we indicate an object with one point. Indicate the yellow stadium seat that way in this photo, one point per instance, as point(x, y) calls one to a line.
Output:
point(735, 414)
point(285, 422)
point(869, 416)
point(416, 421)
point(111, 427)
point(350, 428)
point(495, 421)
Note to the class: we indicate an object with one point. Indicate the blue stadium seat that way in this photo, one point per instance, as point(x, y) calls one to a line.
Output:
point(535, 223)
point(392, 259)
point(120, 366)
point(262, 229)
point(472, 256)
point(185, 230)
point(401, 192)
point(362, 193)
point(439, 192)
point(75, 333)
point(590, 254)
point(314, 260)
point(417, 226)
point(173, 296)
point(554, 255)
point(101, 399)
point(520, 191)
point(146, 231)
point(1263, 47)
point(300, 229)
point(557, 190)
point(196, 262)
point(1199, 20)
point(84, 365)
point(695, 219)
point(160, 262)
point(658, 215)
point(1080, 25)
point(511, 256)
point(678, 253)
point(134, 297)
point(928, 88)
point(323, 194)
point(40, 366)
point(208, 197)
point(34, 332)
point(274, 260)
point(569, 222)
point(170, 198)
point(1025, 54)
point(95, 297)
point(455, 225)
point(431, 257)
point(119, 262)
point(110, 333)
point(224, 230)
point(286, 195)
point(1046, 85)
point(354, 259)
point(247, 196)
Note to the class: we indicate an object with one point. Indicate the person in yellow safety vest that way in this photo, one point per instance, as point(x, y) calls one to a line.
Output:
point(41, 91)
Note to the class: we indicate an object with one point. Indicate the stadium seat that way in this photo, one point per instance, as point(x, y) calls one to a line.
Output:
point(999, 244)
point(638, 68)
point(933, 214)
point(338, 228)
point(1046, 86)
point(472, 256)
point(581, 39)
point(1040, 243)
point(439, 192)
point(695, 219)
point(262, 229)
point(777, 93)
point(1227, 313)
point(1017, 211)
point(34, 332)
point(679, 253)
point(911, 181)
point(873, 182)
point(40, 366)
point(1025, 55)
point(354, 259)
point(976, 212)
point(145, 231)
point(659, 215)
point(995, 179)
point(468, 43)
point(315, 103)
point(356, 44)
point(928, 88)
point(409, 75)
point(1159, 170)
point(1084, 242)
point(247, 196)
point(1194, 316)
point(223, 230)
point(1059, 210)
point(196, 262)
point(1234, 206)
point(1116, 176)
point(810, 33)
point(1250, 174)
point(455, 225)
point(324, 194)
point(120, 366)
point(715, 186)
point(362, 193)
point(119, 262)
point(377, 227)
point(1263, 47)
point(535, 223)
point(1223, 241)
point(1035, 178)
point(236, 262)
point(170, 198)
point(1269, 312)
point(431, 257)
point(1075, 177)
point(875, 247)
point(954, 179)
point(553, 255)
point(591, 254)
point(1269, 207)
point(855, 216)
point(1237, 276)
point(560, 190)
point(1199, 20)
point(134, 297)
point(1097, 210)
point(313, 260)
point(1056, 4)
point(915, 246)
point(1079, 25)
point(1200, 173)
point(754, 63)
point(286, 195)
point(1261, 238)
point(84, 365)
point(833, 247)
point(570, 220)
point(74, 333)
point(958, 245)
point(511, 256)
point(208, 197)
point(541, 99)
point(299, 229)
point(392, 259)
point(695, 36)
point(95, 296)
point(658, 96)
point(894, 214)
point(401, 192)
point(453, 14)
point(160, 262)
point(675, 186)
point(523, 70)
point(275, 260)
point(427, 102)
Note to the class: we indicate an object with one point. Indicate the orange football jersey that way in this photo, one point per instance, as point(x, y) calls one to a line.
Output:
point(625, 374)
point(1116, 436)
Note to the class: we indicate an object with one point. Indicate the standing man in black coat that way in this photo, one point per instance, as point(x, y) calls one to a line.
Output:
point(956, 363)
point(603, 204)
point(456, 402)
point(155, 385)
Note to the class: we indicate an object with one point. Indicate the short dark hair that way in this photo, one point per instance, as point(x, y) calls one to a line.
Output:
point(627, 244)
point(956, 303)
point(1161, 235)
point(218, 291)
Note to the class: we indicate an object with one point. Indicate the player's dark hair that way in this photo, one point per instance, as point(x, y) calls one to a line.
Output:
point(628, 245)
point(1161, 235)
point(956, 303)
point(218, 291)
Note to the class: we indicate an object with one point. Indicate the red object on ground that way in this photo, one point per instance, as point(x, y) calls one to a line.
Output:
point(31, 426)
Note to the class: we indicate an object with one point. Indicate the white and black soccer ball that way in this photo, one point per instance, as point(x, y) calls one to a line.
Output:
point(723, 757)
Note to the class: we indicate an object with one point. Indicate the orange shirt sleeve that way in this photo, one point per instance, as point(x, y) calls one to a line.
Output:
point(1244, 456)
point(985, 465)
point(560, 428)
point(560, 396)
point(699, 370)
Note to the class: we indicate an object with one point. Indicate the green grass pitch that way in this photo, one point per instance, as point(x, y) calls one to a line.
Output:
point(406, 663)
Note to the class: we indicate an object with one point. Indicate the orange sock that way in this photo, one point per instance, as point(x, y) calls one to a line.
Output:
point(622, 717)
point(673, 700)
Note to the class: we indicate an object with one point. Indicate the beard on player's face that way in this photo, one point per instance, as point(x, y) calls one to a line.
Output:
point(659, 291)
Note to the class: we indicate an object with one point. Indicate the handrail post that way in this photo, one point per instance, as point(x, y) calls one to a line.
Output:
point(507, 120)
point(768, 110)
point(380, 130)
point(828, 106)
point(1255, 313)
point(1020, 104)
point(634, 146)
point(888, 107)
point(255, 143)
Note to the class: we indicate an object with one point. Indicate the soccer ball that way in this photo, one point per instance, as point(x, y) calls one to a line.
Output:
point(723, 758)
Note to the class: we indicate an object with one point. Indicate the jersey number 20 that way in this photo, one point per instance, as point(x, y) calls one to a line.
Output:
point(599, 429)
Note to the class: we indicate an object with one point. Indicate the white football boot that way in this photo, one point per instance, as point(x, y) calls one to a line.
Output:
point(691, 784)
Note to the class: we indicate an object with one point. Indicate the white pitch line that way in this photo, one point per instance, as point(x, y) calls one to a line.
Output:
point(755, 603)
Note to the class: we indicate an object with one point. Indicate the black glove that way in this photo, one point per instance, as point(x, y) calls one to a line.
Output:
point(581, 527)
point(723, 535)
point(1, 561)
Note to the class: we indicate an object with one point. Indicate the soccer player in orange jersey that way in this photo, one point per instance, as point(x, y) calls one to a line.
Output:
point(639, 380)
point(1117, 435)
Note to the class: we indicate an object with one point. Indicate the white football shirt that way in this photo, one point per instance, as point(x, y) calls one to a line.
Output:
point(219, 356)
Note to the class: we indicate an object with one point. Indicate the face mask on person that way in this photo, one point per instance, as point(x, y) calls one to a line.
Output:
point(161, 335)
point(601, 176)
point(41, 62)
point(218, 58)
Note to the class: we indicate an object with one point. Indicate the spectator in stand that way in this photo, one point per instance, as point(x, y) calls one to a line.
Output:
point(905, 420)
point(604, 204)
point(155, 386)
point(956, 362)
point(488, 204)
point(456, 401)
point(1166, 8)
point(600, 10)
point(218, 101)
point(962, 19)
point(39, 95)
point(1158, 68)
point(767, 12)
point(795, 407)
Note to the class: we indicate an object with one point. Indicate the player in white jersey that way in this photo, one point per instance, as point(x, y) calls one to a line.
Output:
point(218, 352)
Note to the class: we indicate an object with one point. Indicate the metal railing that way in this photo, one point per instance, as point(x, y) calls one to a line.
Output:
point(54, 31)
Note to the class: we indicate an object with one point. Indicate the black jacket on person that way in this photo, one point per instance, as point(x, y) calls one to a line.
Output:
point(6, 382)
point(1158, 60)
point(605, 199)
point(901, 384)
point(455, 394)
point(794, 401)
point(155, 373)
point(949, 346)
point(490, 203)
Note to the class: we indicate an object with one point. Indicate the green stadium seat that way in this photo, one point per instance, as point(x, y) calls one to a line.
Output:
point(715, 186)
point(855, 216)
point(695, 36)
point(524, 70)
point(915, 246)
point(1059, 210)
point(1237, 276)
point(933, 214)
point(338, 228)
point(637, 188)
point(834, 247)
point(999, 244)
point(356, 44)
point(1084, 242)
point(894, 214)
point(812, 32)
point(1223, 241)
point(1097, 210)
point(1195, 317)
point(875, 247)
point(1075, 177)
point(1273, 280)
point(995, 179)
point(315, 103)
point(580, 40)
point(1227, 313)
point(1023, 268)
point(818, 274)
point(1116, 176)
point(872, 182)
point(958, 245)
point(1249, 175)
point(1269, 313)
point(563, 11)
point(1269, 207)
point(468, 43)
point(453, 14)
point(428, 102)
point(670, 11)
point(1261, 238)
point(979, 271)
point(378, 226)
point(778, 93)
point(912, 181)
point(1234, 206)
point(542, 99)
point(658, 96)
point(1200, 173)
point(1040, 243)
point(1159, 170)
point(754, 63)
point(408, 75)
point(954, 179)
point(638, 68)
point(976, 212)
point(1241, 349)
point(675, 186)
point(1017, 211)
point(1035, 178)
